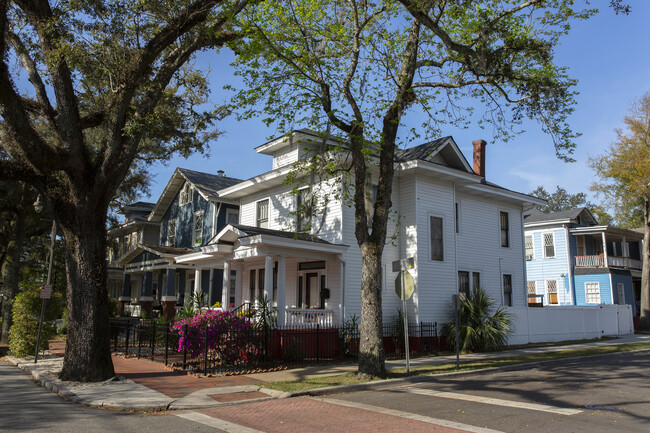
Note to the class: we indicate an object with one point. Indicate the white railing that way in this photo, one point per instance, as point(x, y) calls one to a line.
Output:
point(615, 262)
point(308, 318)
point(624, 262)
point(590, 261)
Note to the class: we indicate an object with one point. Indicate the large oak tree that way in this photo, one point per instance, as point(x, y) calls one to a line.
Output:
point(360, 67)
point(89, 88)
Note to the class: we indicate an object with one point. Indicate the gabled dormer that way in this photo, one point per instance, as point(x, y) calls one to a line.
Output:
point(190, 211)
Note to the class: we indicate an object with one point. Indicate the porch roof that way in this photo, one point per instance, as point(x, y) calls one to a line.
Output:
point(608, 230)
point(164, 252)
point(237, 241)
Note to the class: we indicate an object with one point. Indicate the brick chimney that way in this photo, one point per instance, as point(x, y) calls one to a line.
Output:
point(479, 157)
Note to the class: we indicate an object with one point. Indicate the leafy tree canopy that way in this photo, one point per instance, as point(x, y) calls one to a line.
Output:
point(624, 169)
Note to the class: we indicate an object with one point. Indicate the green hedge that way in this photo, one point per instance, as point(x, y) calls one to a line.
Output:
point(26, 316)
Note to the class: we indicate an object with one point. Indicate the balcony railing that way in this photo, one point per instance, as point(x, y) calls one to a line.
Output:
point(299, 318)
point(613, 262)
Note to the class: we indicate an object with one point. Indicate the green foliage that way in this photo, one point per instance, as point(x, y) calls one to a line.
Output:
point(561, 200)
point(480, 330)
point(624, 169)
point(26, 316)
point(263, 313)
point(193, 305)
point(113, 307)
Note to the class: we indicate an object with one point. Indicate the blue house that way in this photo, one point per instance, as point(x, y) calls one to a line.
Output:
point(571, 260)
point(187, 215)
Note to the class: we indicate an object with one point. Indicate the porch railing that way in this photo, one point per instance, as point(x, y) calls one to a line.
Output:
point(590, 261)
point(308, 318)
point(599, 262)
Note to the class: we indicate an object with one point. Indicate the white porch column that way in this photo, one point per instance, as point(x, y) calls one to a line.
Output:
point(197, 281)
point(604, 249)
point(268, 278)
point(239, 272)
point(282, 283)
point(225, 288)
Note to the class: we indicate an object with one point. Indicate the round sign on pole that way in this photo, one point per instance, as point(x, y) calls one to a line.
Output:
point(409, 284)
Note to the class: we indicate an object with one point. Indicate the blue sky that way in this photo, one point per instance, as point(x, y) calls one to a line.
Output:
point(608, 54)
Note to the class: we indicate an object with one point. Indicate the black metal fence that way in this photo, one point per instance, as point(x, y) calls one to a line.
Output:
point(212, 352)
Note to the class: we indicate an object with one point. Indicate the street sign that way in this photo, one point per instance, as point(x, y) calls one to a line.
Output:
point(404, 264)
point(46, 291)
point(409, 284)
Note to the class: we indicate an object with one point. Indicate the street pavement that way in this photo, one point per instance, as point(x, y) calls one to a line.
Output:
point(242, 404)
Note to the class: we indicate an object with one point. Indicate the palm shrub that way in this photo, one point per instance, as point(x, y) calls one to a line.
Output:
point(480, 330)
point(26, 317)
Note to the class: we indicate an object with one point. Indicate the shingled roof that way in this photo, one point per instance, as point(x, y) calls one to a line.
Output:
point(537, 216)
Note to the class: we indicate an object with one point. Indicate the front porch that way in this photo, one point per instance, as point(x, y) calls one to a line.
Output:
point(298, 274)
point(607, 247)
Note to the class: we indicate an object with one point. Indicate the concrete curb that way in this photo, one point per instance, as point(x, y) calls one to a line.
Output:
point(52, 385)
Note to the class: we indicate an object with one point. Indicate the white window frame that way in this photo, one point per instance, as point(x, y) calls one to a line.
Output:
point(230, 212)
point(530, 256)
point(171, 238)
point(258, 221)
point(534, 287)
point(503, 289)
point(442, 226)
point(548, 291)
point(544, 245)
point(508, 231)
point(591, 296)
point(198, 216)
point(304, 215)
point(186, 194)
point(621, 293)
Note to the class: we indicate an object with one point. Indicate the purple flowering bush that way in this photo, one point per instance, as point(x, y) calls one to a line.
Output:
point(230, 337)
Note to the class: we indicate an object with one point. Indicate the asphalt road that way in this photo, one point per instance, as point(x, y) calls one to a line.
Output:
point(611, 393)
point(596, 394)
point(26, 407)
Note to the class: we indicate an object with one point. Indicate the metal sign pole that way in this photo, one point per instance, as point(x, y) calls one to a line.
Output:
point(49, 282)
point(455, 302)
point(406, 327)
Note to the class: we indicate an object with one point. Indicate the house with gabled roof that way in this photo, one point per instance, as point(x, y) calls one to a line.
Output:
point(572, 260)
point(462, 231)
point(187, 215)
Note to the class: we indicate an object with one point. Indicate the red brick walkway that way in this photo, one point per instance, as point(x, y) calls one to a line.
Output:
point(308, 415)
point(171, 383)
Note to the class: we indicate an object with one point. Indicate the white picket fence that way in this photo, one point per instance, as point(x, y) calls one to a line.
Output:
point(548, 324)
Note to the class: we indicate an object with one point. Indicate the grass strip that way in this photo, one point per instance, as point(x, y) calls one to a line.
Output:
point(433, 369)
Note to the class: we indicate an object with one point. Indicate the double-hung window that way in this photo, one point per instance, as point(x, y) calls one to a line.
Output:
point(171, 233)
point(197, 233)
point(505, 229)
point(437, 246)
point(232, 216)
point(463, 284)
point(263, 214)
point(530, 251)
point(592, 293)
point(185, 196)
point(549, 245)
point(304, 209)
point(507, 290)
point(551, 292)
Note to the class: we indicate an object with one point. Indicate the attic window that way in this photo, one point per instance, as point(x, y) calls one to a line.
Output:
point(185, 196)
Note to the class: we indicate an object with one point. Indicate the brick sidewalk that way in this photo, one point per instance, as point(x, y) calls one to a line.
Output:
point(307, 415)
point(173, 384)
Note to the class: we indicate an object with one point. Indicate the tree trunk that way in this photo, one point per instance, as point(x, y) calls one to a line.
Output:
point(371, 348)
point(645, 274)
point(87, 352)
point(11, 272)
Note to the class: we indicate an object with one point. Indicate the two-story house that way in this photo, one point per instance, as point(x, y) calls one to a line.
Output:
point(462, 230)
point(136, 229)
point(571, 260)
point(187, 215)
